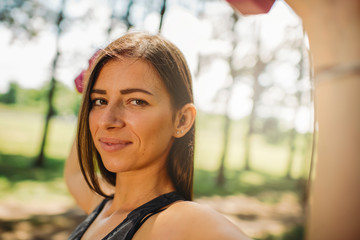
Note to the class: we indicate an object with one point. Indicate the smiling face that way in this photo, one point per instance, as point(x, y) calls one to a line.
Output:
point(131, 118)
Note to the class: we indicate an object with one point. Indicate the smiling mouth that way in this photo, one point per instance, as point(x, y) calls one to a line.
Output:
point(113, 145)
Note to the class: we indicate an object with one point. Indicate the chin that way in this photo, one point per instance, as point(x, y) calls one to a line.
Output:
point(116, 165)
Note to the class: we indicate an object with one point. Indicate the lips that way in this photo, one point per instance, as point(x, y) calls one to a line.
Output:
point(112, 144)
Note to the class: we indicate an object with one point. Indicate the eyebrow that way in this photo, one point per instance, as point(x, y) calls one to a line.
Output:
point(123, 91)
point(132, 90)
point(99, 91)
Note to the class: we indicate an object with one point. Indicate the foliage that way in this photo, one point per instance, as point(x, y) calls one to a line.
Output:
point(271, 130)
point(67, 101)
point(25, 18)
point(295, 233)
point(270, 158)
point(251, 183)
point(10, 96)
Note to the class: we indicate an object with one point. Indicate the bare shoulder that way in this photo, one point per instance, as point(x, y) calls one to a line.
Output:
point(190, 220)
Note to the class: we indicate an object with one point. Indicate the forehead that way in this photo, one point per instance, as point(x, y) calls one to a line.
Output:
point(129, 73)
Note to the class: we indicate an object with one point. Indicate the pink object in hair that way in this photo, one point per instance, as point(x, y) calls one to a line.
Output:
point(79, 80)
point(250, 7)
point(93, 57)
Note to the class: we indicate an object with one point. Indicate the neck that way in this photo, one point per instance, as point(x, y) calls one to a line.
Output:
point(135, 188)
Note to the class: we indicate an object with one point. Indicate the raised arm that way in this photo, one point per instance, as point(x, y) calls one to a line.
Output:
point(83, 195)
point(333, 28)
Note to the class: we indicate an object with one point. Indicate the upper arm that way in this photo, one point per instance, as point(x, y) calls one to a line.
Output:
point(188, 220)
point(86, 198)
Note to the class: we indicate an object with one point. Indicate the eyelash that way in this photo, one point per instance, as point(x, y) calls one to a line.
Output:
point(93, 102)
point(136, 102)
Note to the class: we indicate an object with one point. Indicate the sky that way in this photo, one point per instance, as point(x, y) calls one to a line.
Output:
point(28, 62)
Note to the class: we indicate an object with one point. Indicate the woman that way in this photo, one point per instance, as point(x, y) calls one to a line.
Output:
point(136, 145)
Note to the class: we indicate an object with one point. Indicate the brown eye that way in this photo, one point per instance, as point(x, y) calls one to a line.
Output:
point(98, 102)
point(138, 102)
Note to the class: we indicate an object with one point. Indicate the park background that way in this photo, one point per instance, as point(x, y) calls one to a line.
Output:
point(252, 90)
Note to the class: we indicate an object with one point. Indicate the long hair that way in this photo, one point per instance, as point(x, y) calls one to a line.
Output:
point(172, 68)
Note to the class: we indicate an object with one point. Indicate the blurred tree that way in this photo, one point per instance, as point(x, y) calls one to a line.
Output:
point(25, 18)
point(250, 66)
point(298, 96)
point(32, 98)
point(271, 130)
point(226, 134)
point(162, 12)
point(65, 101)
point(39, 161)
point(258, 89)
point(10, 96)
point(127, 15)
point(266, 93)
point(114, 17)
point(227, 93)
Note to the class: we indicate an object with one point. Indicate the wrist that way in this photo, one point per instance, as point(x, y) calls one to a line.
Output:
point(333, 30)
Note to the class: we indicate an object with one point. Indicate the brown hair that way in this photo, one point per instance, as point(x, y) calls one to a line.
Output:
point(171, 65)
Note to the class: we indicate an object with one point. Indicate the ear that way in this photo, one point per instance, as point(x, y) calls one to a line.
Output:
point(185, 119)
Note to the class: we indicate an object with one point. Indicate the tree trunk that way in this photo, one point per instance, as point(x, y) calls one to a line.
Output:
point(40, 160)
point(247, 140)
point(127, 15)
point(299, 94)
point(258, 89)
point(162, 12)
point(221, 174)
point(291, 151)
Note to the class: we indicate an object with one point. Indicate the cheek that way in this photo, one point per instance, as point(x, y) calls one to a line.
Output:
point(155, 129)
point(162, 128)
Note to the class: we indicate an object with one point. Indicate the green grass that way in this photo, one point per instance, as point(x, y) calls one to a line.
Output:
point(20, 137)
point(252, 183)
point(21, 132)
point(23, 184)
point(265, 157)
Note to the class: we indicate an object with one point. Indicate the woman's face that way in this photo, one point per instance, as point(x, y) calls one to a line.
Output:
point(131, 119)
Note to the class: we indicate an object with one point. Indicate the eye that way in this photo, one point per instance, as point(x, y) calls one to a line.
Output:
point(98, 102)
point(138, 102)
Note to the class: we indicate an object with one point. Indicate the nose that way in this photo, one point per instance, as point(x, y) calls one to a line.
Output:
point(112, 117)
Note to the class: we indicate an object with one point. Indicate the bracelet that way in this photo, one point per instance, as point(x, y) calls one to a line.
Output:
point(336, 71)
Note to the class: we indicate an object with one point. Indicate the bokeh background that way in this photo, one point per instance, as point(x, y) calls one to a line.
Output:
point(252, 90)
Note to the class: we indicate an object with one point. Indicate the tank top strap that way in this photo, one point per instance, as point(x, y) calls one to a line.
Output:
point(127, 228)
point(82, 227)
point(142, 213)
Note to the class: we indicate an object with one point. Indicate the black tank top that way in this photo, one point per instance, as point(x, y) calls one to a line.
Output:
point(127, 228)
